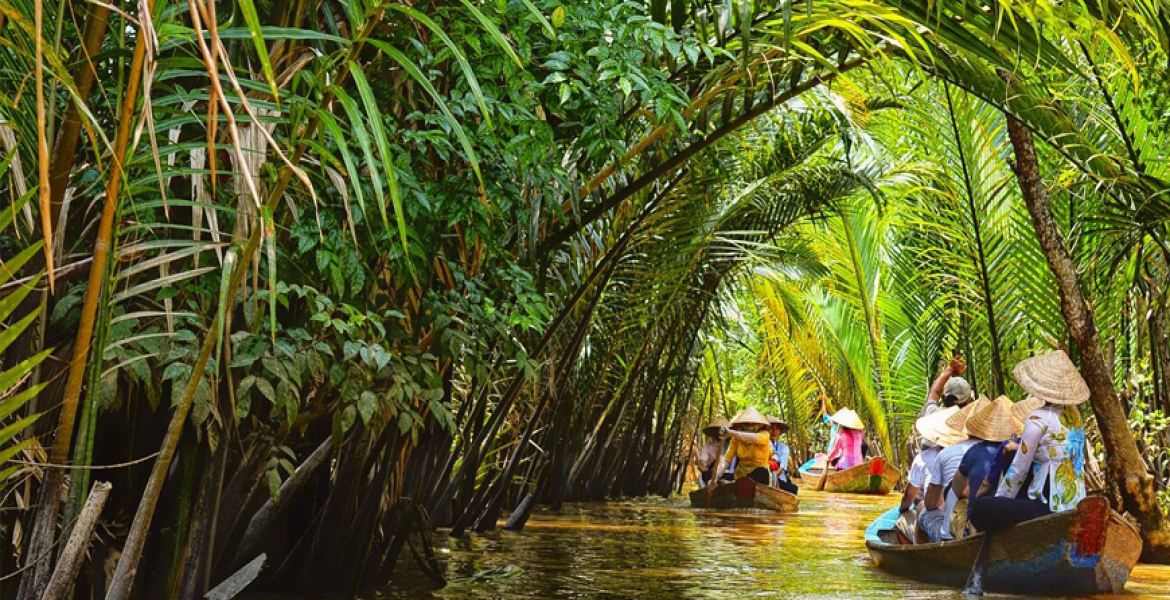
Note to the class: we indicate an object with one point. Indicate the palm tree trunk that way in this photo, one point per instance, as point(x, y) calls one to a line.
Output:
point(1129, 477)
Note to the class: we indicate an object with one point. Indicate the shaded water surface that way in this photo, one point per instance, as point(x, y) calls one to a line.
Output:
point(659, 548)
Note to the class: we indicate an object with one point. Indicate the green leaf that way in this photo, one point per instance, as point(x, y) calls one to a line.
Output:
point(494, 32)
point(464, 65)
point(15, 329)
point(351, 169)
point(11, 267)
point(11, 301)
point(252, 20)
point(9, 212)
point(374, 117)
point(367, 405)
point(265, 388)
point(271, 32)
point(270, 252)
point(425, 82)
point(548, 27)
point(243, 405)
point(246, 385)
point(229, 262)
point(272, 478)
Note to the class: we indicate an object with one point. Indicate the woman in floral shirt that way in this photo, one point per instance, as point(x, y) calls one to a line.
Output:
point(1048, 472)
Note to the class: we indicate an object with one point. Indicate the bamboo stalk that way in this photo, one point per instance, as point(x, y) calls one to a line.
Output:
point(123, 580)
point(43, 143)
point(51, 494)
point(68, 136)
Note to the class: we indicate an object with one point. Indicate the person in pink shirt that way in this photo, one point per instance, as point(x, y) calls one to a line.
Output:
point(847, 450)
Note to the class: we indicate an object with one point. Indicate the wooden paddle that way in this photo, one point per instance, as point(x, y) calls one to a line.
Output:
point(824, 475)
point(975, 579)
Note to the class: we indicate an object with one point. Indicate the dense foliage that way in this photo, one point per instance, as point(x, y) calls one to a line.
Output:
point(318, 276)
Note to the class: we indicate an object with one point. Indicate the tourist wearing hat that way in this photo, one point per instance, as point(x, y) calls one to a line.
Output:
point(751, 446)
point(780, 454)
point(847, 450)
point(935, 521)
point(1052, 448)
point(935, 435)
point(995, 429)
point(948, 388)
point(708, 456)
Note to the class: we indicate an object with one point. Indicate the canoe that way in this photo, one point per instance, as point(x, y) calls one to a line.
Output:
point(874, 476)
point(745, 493)
point(1088, 550)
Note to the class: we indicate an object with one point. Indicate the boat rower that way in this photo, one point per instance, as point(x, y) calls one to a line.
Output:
point(708, 456)
point(750, 446)
point(847, 449)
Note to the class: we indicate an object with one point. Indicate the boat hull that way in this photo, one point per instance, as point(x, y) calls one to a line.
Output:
point(865, 478)
point(744, 493)
point(1089, 550)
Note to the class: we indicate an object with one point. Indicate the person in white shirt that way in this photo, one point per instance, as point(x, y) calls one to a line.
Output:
point(935, 521)
point(936, 435)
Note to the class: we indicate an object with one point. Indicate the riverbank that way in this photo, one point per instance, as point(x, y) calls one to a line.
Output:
point(656, 548)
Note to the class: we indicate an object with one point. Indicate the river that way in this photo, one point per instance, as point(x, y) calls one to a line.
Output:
point(656, 548)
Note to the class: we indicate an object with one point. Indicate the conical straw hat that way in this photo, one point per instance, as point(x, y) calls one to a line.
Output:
point(958, 421)
point(847, 417)
point(774, 421)
point(716, 425)
point(993, 423)
point(749, 416)
point(1053, 378)
point(1021, 410)
point(934, 428)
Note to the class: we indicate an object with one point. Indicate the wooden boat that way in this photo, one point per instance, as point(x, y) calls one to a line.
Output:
point(1084, 551)
point(874, 476)
point(745, 493)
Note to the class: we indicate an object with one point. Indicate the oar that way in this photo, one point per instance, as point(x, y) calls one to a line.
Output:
point(824, 475)
point(975, 579)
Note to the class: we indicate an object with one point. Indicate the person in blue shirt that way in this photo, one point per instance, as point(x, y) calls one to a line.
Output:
point(780, 455)
point(978, 475)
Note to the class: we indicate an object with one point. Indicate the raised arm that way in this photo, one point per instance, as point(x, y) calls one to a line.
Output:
point(748, 437)
point(955, 367)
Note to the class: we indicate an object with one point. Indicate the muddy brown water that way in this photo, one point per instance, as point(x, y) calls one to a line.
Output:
point(660, 548)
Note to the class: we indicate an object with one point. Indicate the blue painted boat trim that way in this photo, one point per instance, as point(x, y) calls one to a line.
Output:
point(885, 521)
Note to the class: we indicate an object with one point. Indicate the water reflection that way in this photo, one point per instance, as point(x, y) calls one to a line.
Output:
point(658, 548)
